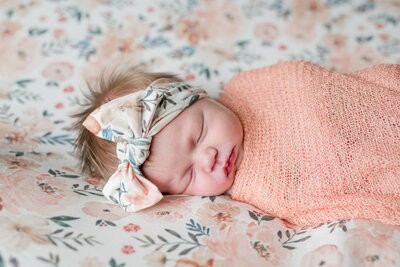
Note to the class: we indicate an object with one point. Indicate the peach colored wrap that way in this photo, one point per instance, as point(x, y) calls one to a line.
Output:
point(319, 145)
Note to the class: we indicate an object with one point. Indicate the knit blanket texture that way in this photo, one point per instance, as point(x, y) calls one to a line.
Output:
point(319, 145)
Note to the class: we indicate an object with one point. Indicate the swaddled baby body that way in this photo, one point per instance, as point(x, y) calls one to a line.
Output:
point(319, 145)
point(300, 142)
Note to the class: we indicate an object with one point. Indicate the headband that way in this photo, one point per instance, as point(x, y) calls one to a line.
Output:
point(131, 121)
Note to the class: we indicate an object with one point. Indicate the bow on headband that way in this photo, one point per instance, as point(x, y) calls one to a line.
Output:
point(131, 121)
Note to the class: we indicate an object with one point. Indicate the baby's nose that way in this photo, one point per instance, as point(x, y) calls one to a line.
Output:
point(209, 158)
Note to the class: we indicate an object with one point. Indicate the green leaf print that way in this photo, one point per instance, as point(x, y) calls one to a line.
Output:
point(259, 217)
point(67, 238)
point(17, 153)
point(52, 172)
point(162, 238)
point(197, 228)
point(60, 220)
point(253, 216)
point(87, 189)
point(1, 261)
point(192, 242)
point(101, 222)
point(63, 139)
point(291, 238)
point(57, 173)
point(113, 263)
point(339, 224)
point(95, 30)
point(22, 83)
point(36, 31)
point(53, 259)
point(193, 99)
point(172, 232)
point(186, 251)
point(10, 13)
point(267, 218)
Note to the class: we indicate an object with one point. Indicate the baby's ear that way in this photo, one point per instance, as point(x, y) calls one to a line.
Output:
point(92, 125)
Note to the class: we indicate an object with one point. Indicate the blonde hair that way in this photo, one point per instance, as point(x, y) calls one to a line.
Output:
point(97, 156)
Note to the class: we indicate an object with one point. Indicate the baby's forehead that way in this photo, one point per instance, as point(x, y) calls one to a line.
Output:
point(175, 131)
point(181, 127)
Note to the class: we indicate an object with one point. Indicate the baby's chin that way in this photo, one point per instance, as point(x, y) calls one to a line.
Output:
point(224, 188)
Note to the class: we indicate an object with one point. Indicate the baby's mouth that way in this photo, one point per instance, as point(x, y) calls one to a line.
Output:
point(230, 162)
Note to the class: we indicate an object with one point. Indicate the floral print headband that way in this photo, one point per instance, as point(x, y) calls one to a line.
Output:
point(131, 121)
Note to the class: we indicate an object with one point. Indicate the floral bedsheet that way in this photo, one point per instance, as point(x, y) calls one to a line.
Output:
point(51, 215)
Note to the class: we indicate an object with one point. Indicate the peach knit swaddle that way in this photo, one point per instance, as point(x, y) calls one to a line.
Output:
point(319, 145)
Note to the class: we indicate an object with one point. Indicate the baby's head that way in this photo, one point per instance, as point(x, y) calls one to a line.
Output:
point(196, 153)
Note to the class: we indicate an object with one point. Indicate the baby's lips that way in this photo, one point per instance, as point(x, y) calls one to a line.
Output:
point(92, 125)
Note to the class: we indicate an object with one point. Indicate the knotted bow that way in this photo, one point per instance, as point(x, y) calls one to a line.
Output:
point(131, 121)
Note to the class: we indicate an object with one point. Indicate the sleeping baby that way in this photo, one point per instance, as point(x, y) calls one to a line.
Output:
point(300, 142)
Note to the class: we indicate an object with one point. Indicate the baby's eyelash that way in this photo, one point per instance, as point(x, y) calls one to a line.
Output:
point(201, 131)
point(192, 174)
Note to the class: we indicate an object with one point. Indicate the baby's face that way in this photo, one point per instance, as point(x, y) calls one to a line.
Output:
point(198, 152)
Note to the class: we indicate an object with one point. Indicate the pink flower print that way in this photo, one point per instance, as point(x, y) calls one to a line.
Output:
point(156, 259)
point(190, 28)
point(105, 211)
point(169, 209)
point(380, 252)
point(8, 29)
point(114, 49)
point(200, 25)
point(234, 245)
point(282, 47)
point(132, 228)
point(354, 59)
point(59, 105)
point(301, 30)
point(377, 227)
point(58, 71)
point(266, 32)
point(20, 192)
point(69, 89)
point(63, 19)
point(31, 123)
point(261, 233)
point(15, 137)
point(13, 162)
point(336, 41)
point(91, 262)
point(58, 33)
point(312, 11)
point(384, 36)
point(20, 56)
point(118, 47)
point(389, 7)
point(18, 233)
point(326, 255)
point(201, 257)
point(128, 249)
point(218, 215)
point(20, 9)
point(190, 77)
point(20, 137)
